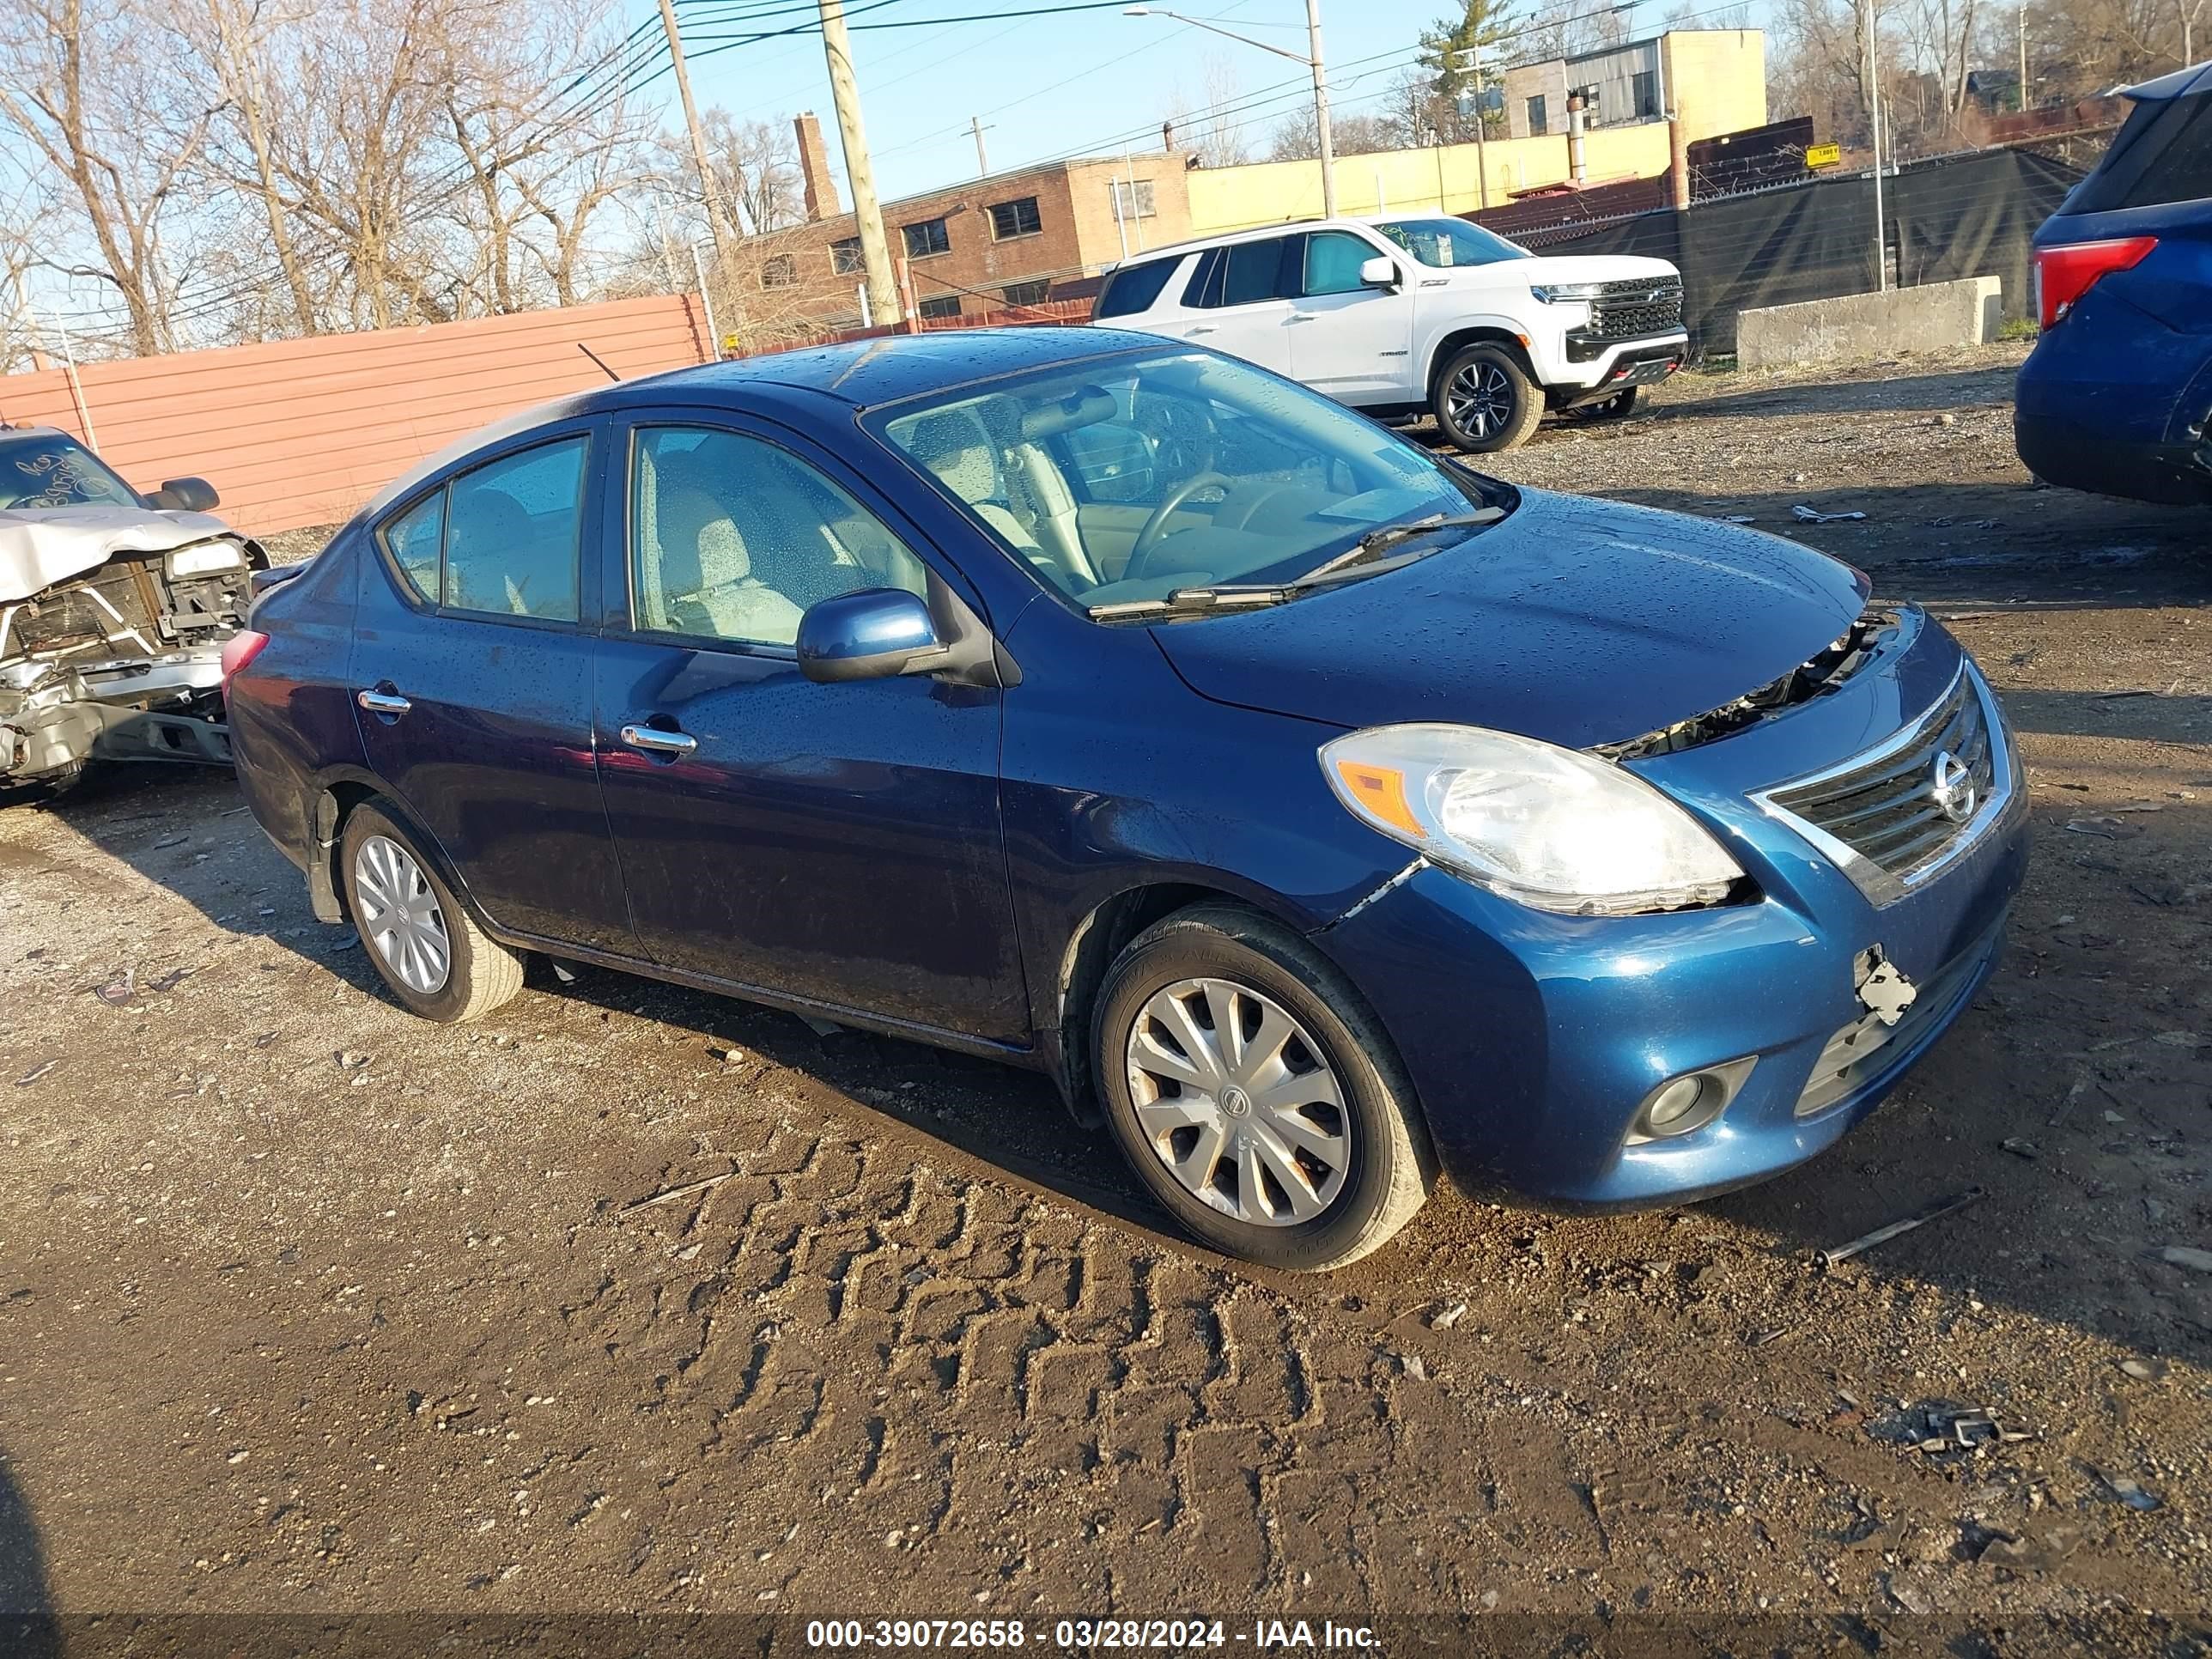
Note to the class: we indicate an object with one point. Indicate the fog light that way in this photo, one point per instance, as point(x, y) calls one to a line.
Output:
point(1688, 1102)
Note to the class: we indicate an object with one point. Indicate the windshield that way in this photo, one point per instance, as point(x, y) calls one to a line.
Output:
point(1127, 479)
point(1447, 242)
point(51, 471)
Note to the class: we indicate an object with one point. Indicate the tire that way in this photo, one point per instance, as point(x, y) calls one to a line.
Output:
point(479, 973)
point(1363, 1160)
point(1498, 406)
point(1618, 407)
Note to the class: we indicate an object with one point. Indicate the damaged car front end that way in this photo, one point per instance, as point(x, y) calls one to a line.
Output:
point(114, 609)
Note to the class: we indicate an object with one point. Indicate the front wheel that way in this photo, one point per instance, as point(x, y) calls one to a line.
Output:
point(1254, 1095)
point(1485, 400)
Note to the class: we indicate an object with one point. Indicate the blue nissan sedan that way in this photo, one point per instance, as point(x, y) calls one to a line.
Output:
point(1320, 813)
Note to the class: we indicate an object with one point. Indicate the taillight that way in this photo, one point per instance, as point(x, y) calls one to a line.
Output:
point(2063, 275)
point(239, 649)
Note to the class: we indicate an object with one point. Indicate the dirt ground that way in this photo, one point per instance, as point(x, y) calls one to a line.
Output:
point(632, 1300)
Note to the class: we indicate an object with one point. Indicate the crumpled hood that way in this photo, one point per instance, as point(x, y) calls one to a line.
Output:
point(42, 545)
point(1574, 621)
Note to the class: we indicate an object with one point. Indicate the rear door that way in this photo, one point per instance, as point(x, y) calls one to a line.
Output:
point(1346, 339)
point(471, 679)
point(1239, 300)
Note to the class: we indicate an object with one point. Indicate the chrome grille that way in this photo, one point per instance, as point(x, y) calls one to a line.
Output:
point(1627, 309)
point(1886, 808)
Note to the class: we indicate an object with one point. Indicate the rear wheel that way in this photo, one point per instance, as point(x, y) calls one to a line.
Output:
point(427, 951)
point(1254, 1095)
point(1485, 400)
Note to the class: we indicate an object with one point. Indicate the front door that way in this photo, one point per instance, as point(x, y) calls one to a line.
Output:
point(472, 676)
point(837, 843)
point(1348, 340)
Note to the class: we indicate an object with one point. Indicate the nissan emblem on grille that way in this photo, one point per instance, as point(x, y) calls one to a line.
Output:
point(1953, 790)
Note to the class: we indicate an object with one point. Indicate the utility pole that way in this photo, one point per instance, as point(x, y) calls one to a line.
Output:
point(718, 222)
point(845, 93)
point(1321, 109)
point(982, 156)
point(2023, 53)
point(1874, 138)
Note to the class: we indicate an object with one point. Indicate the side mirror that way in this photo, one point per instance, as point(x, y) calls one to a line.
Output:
point(186, 495)
point(1381, 271)
point(875, 634)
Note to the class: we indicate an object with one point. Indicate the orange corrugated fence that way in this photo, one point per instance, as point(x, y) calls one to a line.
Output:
point(302, 432)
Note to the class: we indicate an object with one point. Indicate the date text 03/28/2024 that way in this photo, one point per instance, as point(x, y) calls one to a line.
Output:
point(1090, 1635)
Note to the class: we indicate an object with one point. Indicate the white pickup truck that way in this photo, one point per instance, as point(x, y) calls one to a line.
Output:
point(1402, 316)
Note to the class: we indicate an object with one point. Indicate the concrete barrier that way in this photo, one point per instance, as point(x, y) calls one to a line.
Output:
point(1930, 317)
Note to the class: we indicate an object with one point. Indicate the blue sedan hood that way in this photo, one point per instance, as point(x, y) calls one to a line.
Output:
point(1574, 621)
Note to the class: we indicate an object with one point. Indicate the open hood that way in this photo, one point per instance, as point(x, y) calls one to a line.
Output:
point(41, 546)
point(1577, 621)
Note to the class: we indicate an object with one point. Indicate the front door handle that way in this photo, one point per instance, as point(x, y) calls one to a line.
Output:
point(1303, 316)
point(654, 741)
point(382, 702)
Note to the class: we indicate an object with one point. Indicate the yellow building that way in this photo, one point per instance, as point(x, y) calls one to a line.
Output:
point(1711, 80)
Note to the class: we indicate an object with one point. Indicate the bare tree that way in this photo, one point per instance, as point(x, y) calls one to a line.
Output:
point(1208, 126)
point(239, 34)
point(1297, 138)
point(106, 103)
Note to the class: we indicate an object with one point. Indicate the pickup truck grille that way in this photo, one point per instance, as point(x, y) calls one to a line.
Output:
point(1887, 808)
point(1634, 309)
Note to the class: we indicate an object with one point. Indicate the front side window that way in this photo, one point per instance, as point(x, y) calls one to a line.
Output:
point(51, 471)
point(1123, 479)
point(732, 539)
point(511, 534)
point(1333, 262)
point(1010, 219)
point(930, 236)
point(1445, 243)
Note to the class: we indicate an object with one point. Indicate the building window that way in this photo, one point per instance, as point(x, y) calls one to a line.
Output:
point(1538, 126)
point(939, 307)
point(778, 270)
point(1012, 219)
point(929, 237)
point(845, 257)
point(1142, 198)
point(1028, 293)
point(1643, 86)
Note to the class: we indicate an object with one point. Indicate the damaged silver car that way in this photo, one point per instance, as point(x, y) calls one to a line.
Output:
point(114, 609)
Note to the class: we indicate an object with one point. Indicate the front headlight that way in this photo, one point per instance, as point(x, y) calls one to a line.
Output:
point(203, 559)
point(1554, 293)
point(1546, 826)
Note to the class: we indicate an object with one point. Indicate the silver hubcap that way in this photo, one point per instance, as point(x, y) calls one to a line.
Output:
point(1235, 1100)
point(1479, 399)
point(399, 915)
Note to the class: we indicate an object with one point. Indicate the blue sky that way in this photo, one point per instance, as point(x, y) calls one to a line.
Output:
point(1078, 82)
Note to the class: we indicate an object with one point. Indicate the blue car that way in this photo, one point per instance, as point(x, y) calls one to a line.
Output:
point(1318, 812)
point(2117, 397)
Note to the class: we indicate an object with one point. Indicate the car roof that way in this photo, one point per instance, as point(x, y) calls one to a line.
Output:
point(1260, 233)
point(859, 373)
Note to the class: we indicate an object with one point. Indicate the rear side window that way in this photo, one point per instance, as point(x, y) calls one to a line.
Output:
point(1244, 273)
point(502, 539)
point(2164, 153)
point(1133, 288)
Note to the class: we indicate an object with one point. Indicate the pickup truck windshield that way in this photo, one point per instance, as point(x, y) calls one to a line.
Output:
point(1125, 479)
point(1445, 243)
point(47, 470)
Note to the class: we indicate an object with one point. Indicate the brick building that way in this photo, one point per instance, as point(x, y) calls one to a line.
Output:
point(974, 247)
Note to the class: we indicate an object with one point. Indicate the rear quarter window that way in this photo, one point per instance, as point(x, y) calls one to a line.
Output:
point(2163, 154)
point(1134, 289)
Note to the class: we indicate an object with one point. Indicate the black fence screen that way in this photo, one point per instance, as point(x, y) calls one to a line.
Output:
point(1965, 215)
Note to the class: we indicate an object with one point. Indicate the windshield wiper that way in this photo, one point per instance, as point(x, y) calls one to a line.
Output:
point(1360, 561)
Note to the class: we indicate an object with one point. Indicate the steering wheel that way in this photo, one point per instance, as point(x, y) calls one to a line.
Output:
point(1156, 525)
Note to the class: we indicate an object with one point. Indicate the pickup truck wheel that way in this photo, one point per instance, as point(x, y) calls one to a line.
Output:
point(1485, 400)
point(1615, 408)
point(425, 948)
point(1254, 1094)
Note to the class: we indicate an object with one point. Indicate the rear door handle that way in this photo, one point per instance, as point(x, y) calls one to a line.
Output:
point(382, 702)
point(1203, 328)
point(654, 741)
